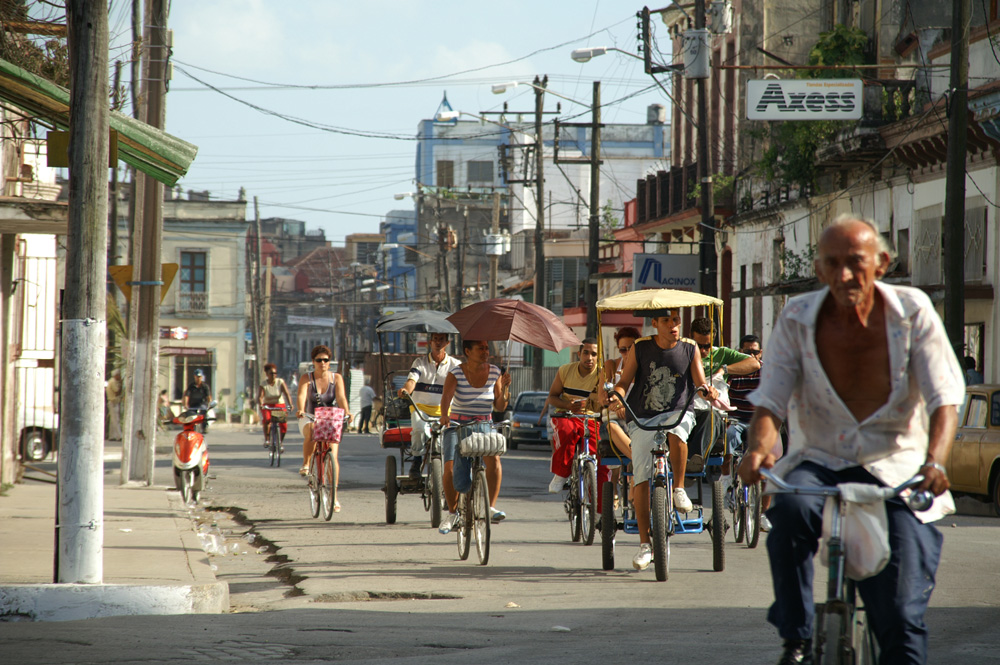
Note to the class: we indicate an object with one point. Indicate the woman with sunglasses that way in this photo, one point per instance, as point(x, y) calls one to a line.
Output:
point(321, 387)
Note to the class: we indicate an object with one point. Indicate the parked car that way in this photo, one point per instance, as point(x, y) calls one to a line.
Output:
point(974, 463)
point(37, 436)
point(524, 427)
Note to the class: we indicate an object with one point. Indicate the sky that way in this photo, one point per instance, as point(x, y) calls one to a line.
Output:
point(308, 153)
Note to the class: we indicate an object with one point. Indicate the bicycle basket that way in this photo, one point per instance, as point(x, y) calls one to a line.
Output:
point(329, 424)
point(279, 416)
point(480, 443)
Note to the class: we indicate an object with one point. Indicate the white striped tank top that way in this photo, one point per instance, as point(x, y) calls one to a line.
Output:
point(469, 401)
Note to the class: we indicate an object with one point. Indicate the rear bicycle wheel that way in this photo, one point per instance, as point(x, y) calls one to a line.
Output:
point(751, 513)
point(609, 528)
point(588, 504)
point(328, 486)
point(436, 491)
point(718, 527)
point(481, 516)
point(659, 523)
point(463, 525)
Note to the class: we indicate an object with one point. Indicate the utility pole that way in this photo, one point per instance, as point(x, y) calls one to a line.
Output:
point(266, 346)
point(139, 445)
point(954, 200)
point(707, 258)
point(494, 259)
point(539, 85)
point(258, 333)
point(595, 210)
point(460, 279)
point(80, 529)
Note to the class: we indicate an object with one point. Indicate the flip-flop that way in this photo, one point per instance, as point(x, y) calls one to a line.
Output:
point(336, 506)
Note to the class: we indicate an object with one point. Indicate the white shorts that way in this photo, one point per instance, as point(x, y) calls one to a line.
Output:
point(642, 442)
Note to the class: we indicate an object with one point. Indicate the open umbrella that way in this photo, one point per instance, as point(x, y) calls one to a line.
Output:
point(514, 320)
point(416, 321)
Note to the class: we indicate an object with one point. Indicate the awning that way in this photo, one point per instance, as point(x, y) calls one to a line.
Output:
point(150, 150)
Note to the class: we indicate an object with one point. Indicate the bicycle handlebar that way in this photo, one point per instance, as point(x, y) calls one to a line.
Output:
point(918, 501)
point(609, 388)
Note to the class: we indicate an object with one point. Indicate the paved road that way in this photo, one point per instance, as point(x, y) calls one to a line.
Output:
point(358, 590)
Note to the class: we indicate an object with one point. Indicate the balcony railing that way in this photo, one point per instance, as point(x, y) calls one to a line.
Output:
point(188, 301)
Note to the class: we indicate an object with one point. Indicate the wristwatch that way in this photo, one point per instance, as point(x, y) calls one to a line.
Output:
point(935, 465)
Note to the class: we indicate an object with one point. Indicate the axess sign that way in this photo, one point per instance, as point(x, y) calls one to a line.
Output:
point(816, 99)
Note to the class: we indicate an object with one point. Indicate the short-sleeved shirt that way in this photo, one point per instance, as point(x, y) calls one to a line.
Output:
point(472, 401)
point(197, 395)
point(429, 377)
point(740, 388)
point(274, 394)
point(662, 379)
point(892, 442)
point(719, 357)
point(367, 396)
point(577, 387)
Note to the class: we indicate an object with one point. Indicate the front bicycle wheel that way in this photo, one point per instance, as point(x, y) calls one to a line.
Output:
point(660, 516)
point(608, 526)
point(738, 508)
point(275, 447)
point(481, 516)
point(463, 525)
point(718, 527)
point(436, 491)
point(751, 512)
point(588, 503)
point(313, 480)
point(866, 651)
point(328, 486)
point(573, 505)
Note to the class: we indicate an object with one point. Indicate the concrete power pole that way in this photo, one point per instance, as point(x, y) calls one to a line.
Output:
point(595, 211)
point(80, 532)
point(139, 445)
point(954, 199)
point(494, 259)
point(539, 85)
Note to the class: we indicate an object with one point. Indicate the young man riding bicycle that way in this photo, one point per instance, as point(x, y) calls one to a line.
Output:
point(869, 381)
point(665, 371)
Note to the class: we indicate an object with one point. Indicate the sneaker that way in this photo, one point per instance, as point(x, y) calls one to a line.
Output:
point(267, 444)
point(497, 515)
point(643, 557)
point(765, 524)
point(281, 449)
point(557, 484)
point(681, 501)
point(797, 652)
point(446, 523)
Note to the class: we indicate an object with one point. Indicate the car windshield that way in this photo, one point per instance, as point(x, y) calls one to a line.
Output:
point(531, 403)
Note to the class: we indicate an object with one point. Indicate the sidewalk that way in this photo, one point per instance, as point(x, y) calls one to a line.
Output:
point(153, 559)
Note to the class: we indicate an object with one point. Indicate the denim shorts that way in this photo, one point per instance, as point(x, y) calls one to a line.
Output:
point(462, 468)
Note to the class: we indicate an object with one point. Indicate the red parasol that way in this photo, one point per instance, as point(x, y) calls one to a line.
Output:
point(515, 320)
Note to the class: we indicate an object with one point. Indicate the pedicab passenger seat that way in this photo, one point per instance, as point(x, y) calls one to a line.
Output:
point(398, 426)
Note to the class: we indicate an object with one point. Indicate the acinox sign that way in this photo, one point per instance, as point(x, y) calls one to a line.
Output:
point(665, 271)
point(817, 99)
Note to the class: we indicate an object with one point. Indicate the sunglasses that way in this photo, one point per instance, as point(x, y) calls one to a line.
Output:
point(752, 353)
point(321, 360)
point(623, 349)
point(705, 347)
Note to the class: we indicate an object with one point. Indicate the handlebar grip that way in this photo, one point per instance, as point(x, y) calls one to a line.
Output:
point(920, 501)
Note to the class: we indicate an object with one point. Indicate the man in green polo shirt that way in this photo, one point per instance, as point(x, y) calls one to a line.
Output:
point(717, 361)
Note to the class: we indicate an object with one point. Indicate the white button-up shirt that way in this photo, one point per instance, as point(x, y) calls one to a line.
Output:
point(892, 442)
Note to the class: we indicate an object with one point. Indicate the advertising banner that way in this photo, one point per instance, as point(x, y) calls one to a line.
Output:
point(665, 271)
point(799, 99)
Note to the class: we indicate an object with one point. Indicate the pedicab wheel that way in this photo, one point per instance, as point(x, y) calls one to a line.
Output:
point(328, 486)
point(314, 499)
point(463, 525)
point(751, 512)
point(436, 492)
point(391, 489)
point(608, 526)
point(573, 507)
point(718, 527)
point(659, 522)
point(588, 508)
point(481, 517)
point(739, 523)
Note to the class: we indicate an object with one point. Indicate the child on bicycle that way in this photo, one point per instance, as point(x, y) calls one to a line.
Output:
point(665, 370)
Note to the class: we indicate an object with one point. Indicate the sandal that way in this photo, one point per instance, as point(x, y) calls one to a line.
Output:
point(336, 506)
point(304, 470)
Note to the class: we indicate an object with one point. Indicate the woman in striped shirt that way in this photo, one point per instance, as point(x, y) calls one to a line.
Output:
point(472, 391)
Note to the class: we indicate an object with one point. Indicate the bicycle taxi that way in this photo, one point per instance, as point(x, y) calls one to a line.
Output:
point(396, 415)
point(665, 522)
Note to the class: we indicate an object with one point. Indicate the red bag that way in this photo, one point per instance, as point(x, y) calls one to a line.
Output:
point(329, 424)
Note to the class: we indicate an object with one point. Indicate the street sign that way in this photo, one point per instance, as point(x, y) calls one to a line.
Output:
point(804, 99)
point(123, 275)
point(665, 271)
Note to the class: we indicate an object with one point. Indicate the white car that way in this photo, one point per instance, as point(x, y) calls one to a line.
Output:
point(38, 427)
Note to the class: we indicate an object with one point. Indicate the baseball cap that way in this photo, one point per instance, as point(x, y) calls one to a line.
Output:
point(198, 372)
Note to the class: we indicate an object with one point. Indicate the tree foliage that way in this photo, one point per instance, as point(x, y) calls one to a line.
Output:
point(47, 57)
